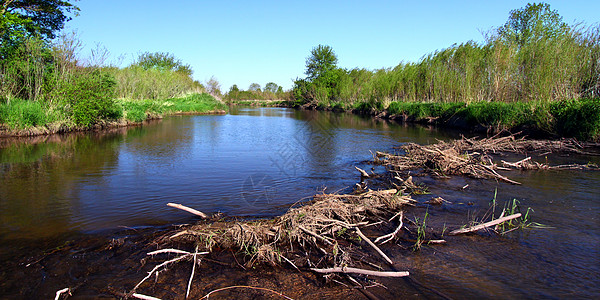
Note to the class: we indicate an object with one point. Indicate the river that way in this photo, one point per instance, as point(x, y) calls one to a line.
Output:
point(256, 162)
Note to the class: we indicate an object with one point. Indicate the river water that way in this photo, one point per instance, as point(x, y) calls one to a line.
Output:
point(256, 162)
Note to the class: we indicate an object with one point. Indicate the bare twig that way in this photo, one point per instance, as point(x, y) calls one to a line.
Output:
point(187, 293)
point(144, 297)
point(160, 266)
point(390, 236)
point(362, 172)
point(190, 210)
point(484, 225)
point(389, 261)
point(60, 292)
point(316, 235)
point(361, 271)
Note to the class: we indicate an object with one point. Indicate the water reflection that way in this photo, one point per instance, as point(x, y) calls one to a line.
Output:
point(252, 162)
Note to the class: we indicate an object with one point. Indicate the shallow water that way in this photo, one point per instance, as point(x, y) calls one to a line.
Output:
point(256, 162)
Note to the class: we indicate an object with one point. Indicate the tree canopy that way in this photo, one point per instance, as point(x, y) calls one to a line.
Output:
point(321, 60)
point(162, 61)
point(531, 23)
point(40, 18)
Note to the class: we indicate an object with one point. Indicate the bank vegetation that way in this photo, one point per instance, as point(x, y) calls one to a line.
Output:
point(535, 71)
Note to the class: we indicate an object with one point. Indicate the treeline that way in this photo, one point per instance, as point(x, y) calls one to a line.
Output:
point(271, 91)
point(533, 57)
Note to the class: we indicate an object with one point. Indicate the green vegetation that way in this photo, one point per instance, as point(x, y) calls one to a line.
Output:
point(140, 110)
point(45, 84)
point(272, 91)
point(533, 72)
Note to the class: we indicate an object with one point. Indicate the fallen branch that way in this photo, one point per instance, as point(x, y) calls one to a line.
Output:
point(361, 271)
point(391, 236)
point(158, 267)
point(144, 297)
point(485, 225)
point(168, 251)
point(187, 293)
point(362, 172)
point(316, 235)
point(60, 292)
point(389, 261)
point(190, 210)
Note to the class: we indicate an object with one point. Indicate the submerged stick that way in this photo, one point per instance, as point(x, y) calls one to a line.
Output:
point(190, 210)
point(60, 292)
point(389, 261)
point(362, 172)
point(485, 225)
point(361, 271)
point(144, 297)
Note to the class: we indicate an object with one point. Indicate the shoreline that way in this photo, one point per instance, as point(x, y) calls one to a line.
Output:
point(53, 129)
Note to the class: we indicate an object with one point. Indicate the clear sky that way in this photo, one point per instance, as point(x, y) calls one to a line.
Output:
point(241, 42)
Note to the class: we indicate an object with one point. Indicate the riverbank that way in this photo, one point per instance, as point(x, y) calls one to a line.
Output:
point(25, 118)
point(561, 119)
point(261, 103)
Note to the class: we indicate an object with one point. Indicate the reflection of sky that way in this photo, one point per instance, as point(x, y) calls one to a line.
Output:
point(253, 162)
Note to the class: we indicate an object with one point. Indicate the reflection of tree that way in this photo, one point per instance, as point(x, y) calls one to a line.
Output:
point(164, 142)
point(38, 178)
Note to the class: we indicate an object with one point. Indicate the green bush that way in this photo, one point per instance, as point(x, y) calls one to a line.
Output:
point(22, 114)
point(577, 118)
point(88, 97)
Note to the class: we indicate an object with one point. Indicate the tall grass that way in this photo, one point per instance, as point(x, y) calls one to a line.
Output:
point(140, 110)
point(546, 69)
point(135, 82)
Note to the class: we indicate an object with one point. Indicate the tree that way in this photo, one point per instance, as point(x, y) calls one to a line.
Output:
point(532, 23)
point(39, 18)
point(213, 86)
point(322, 59)
point(163, 61)
point(272, 87)
point(234, 89)
point(254, 87)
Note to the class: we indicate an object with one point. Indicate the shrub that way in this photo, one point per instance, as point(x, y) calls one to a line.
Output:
point(88, 97)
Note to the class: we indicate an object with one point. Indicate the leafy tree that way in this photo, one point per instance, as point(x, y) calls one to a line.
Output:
point(234, 89)
point(531, 23)
point(41, 18)
point(163, 61)
point(321, 60)
point(254, 87)
point(272, 87)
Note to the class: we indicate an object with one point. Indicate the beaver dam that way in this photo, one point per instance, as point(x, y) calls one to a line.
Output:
point(343, 245)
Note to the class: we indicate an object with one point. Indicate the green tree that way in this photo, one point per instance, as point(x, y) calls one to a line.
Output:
point(163, 61)
point(322, 59)
point(254, 87)
point(532, 23)
point(272, 87)
point(41, 18)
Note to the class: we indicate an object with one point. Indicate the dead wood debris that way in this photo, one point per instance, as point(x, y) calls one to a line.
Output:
point(472, 157)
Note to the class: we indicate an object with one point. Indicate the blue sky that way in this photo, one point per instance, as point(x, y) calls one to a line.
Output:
point(241, 42)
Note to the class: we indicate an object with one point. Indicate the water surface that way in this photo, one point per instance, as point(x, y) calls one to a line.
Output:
point(256, 162)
